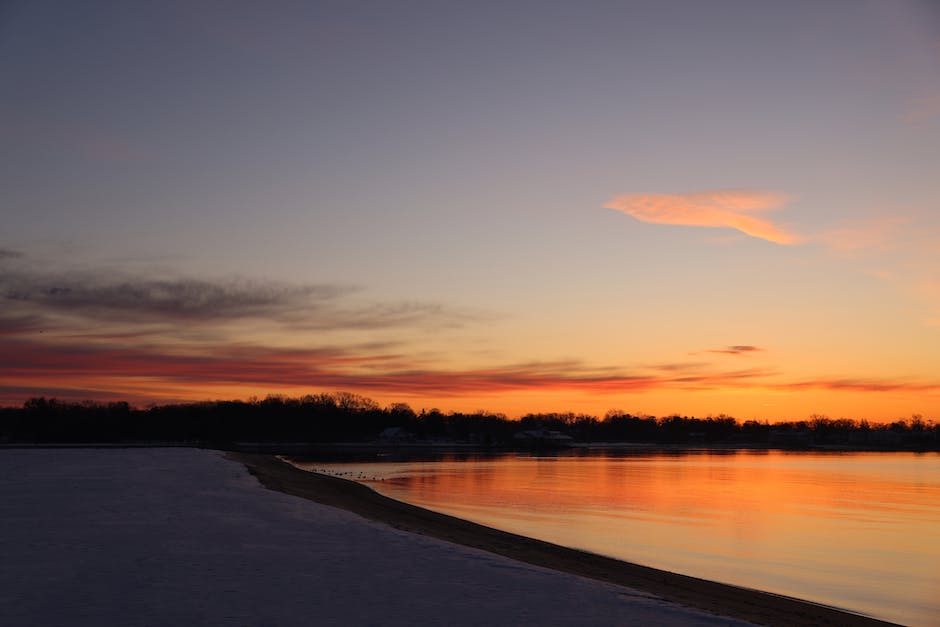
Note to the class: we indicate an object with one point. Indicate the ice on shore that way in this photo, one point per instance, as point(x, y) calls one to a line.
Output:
point(186, 537)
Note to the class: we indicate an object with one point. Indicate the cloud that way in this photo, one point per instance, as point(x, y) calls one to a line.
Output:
point(19, 324)
point(29, 363)
point(863, 385)
point(144, 374)
point(6, 253)
point(387, 315)
point(19, 393)
point(116, 298)
point(740, 349)
point(181, 299)
point(717, 209)
point(233, 364)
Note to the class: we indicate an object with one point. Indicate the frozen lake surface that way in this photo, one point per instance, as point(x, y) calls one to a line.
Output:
point(186, 537)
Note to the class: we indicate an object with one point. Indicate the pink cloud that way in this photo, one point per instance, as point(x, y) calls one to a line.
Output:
point(732, 209)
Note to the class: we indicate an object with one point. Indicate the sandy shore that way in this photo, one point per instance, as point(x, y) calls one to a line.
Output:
point(744, 604)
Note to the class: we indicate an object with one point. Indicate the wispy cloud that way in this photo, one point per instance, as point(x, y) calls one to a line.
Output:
point(144, 374)
point(120, 298)
point(740, 349)
point(899, 249)
point(6, 253)
point(387, 315)
point(29, 362)
point(876, 235)
point(733, 209)
point(898, 246)
point(223, 364)
point(181, 299)
point(19, 324)
point(22, 392)
point(863, 385)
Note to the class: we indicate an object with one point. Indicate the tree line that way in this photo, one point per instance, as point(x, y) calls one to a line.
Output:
point(346, 417)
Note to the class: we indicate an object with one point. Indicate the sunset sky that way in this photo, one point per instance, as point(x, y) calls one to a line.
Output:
point(693, 207)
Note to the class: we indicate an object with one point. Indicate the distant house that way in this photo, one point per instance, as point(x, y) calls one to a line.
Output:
point(396, 434)
point(543, 438)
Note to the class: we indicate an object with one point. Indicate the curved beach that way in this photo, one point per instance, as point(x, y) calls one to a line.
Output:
point(721, 599)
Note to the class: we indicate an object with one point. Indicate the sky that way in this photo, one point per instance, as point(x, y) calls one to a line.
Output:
point(702, 208)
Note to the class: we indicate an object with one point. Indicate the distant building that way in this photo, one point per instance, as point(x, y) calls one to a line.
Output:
point(543, 438)
point(396, 434)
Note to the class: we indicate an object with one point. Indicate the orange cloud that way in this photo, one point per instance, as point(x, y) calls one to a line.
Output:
point(716, 209)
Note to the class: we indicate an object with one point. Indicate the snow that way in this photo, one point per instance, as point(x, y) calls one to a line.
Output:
point(186, 537)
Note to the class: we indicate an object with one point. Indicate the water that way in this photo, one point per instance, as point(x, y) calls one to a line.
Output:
point(859, 531)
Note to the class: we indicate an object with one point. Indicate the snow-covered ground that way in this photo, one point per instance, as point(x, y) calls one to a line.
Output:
point(186, 537)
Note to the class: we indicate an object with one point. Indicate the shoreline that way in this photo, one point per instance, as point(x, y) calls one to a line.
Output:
point(716, 598)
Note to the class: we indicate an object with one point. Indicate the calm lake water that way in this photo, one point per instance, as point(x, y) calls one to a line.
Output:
point(859, 531)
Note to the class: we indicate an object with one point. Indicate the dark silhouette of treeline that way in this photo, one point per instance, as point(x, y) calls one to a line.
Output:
point(345, 417)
